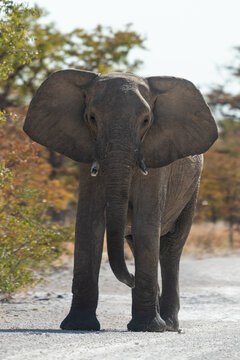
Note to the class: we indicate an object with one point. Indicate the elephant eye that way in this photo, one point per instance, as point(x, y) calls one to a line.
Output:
point(92, 119)
point(145, 121)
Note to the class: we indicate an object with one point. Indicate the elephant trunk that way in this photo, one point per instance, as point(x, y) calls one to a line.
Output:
point(117, 180)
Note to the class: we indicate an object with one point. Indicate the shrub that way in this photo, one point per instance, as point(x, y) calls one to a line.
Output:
point(28, 239)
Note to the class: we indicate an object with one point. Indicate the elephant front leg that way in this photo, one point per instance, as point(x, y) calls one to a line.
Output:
point(90, 226)
point(148, 201)
point(145, 314)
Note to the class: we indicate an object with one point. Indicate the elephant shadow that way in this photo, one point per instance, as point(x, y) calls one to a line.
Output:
point(57, 331)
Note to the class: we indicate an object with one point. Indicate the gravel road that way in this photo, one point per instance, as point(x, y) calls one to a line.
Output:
point(210, 317)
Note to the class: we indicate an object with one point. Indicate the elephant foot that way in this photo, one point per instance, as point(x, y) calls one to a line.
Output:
point(154, 325)
point(172, 323)
point(80, 320)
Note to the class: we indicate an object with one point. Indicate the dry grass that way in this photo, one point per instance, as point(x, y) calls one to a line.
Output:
point(204, 238)
point(210, 238)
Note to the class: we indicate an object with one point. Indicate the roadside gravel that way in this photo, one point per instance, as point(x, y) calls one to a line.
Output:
point(210, 317)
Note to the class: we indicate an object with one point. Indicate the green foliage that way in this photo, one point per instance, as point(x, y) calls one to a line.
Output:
point(2, 117)
point(28, 237)
point(27, 240)
point(225, 99)
point(104, 50)
point(101, 50)
point(5, 174)
point(15, 38)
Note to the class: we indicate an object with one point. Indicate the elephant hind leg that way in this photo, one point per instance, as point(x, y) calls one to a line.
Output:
point(171, 246)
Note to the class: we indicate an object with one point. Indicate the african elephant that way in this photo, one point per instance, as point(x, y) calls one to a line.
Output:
point(120, 127)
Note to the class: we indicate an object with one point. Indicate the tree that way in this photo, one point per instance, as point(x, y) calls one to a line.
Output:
point(101, 50)
point(219, 197)
point(225, 100)
point(27, 238)
point(220, 186)
point(15, 37)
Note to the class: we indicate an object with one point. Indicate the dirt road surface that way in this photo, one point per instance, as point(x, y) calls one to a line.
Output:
point(210, 317)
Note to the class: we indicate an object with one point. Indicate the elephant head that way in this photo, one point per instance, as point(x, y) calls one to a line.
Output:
point(119, 121)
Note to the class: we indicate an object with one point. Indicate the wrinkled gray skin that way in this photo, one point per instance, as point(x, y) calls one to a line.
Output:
point(119, 126)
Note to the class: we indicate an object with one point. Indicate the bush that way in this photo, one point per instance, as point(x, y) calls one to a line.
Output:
point(28, 239)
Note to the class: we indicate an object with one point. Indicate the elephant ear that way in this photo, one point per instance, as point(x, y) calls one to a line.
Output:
point(55, 116)
point(182, 122)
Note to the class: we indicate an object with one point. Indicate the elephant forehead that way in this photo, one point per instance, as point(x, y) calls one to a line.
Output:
point(119, 92)
point(120, 101)
point(116, 83)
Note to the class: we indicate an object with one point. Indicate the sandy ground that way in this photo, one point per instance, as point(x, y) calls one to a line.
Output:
point(210, 317)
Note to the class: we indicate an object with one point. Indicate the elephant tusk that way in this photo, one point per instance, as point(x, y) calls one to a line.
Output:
point(143, 168)
point(94, 168)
